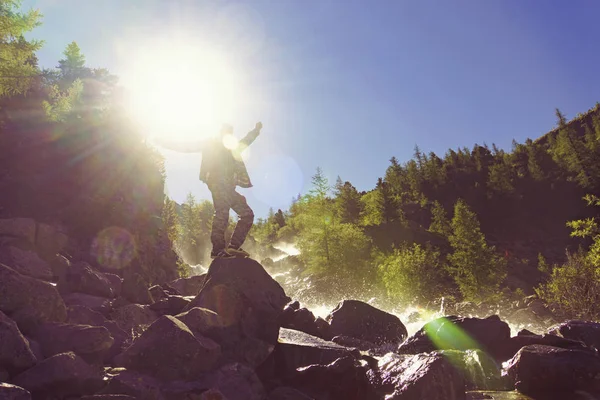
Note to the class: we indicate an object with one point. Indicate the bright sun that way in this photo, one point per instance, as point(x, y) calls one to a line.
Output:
point(181, 92)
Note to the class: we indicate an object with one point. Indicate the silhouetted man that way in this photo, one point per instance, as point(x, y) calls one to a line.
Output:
point(222, 170)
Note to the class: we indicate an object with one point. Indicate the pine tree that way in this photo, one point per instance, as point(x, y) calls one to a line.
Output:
point(72, 67)
point(347, 203)
point(439, 220)
point(475, 267)
point(18, 64)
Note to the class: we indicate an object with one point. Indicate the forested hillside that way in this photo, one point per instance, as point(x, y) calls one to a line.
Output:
point(473, 224)
point(70, 156)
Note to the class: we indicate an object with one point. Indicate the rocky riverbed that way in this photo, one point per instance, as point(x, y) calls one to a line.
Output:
point(70, 329)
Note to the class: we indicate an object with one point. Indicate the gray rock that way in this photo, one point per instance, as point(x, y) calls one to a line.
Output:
point(15, 353)
point(88, 342)
point(297, 349)
point(189, 286)
point(169, 351)
point(116, 283)
point(157, 293)
point(249, 303)
point(422, 376)
point(459, 333)
point(233, 381)
point(345, 378)
point(59, 265)
point(29, 301)
point(135, 289)
point(134, 318)
point(287, 393)
point(587, 332)
point(102, 305)
point(12, 392)
point(19, 228)
point(170, 305)
point(49, 240)
point(84, 316)
point(25, 262)
point(59, 376)
point(82, 278)
point(132, 383)
point(551, 372)
point(360, 320)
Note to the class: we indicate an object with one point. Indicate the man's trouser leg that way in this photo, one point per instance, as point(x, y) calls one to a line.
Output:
point(221, 217)
point(243, 210)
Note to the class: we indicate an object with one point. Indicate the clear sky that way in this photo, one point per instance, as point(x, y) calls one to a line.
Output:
point(346, 85)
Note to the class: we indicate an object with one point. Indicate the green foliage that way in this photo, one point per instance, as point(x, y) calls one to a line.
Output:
point(18, 64)
point(327, 245)
point(372, 208)
point(193, 233)
point(413, 274)
point(61, 104)
point(475, 267)
point(347, 202)
point(574, 287)
point(439, 220)
point(589, 227)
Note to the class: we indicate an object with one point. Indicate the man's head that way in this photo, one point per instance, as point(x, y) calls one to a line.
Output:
point(226, 129)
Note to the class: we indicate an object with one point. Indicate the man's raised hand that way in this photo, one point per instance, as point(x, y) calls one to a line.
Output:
point(258, 126)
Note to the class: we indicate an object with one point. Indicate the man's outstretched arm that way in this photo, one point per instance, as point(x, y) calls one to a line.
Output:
point(182, 147)
point(250, 137)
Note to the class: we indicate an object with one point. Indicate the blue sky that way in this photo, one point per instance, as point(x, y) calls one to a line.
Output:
point(346, 85)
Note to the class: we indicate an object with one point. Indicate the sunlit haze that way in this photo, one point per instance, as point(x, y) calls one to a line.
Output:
point(344, 86)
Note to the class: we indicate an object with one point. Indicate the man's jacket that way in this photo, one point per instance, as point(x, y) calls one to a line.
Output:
point(220, 165)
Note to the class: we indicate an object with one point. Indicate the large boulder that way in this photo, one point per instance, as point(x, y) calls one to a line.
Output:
point(231, 382)
point(249, 303)
point(60, 376)
point(49, 240)
point(15, 353)
point(170, 305)
point(84, 316)
point(459, 333)
point(525, 338)
point(169, 351)
point(362, 321)
point(297, 349)
point(287, 393)
point(302, 319)
point(550, 372)
point(422, 376)
point(102, 305)
point(82, 278)
point(480, 371)
point(18, 228)
point(345, 378)
point(12, 392)
point(133, 318)
point(135, 289)
point(132, 383)
point(25, 262)
point(88, 342)
point(587, 332)
point(29, 301)
point(188, 286)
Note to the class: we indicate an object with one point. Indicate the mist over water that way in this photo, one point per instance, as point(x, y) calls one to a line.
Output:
point(287, 271)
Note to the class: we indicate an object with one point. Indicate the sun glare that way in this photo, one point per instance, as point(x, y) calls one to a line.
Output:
point(180, 92)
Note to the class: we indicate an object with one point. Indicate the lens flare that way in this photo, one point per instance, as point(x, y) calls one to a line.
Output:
point(446, 335)
point(114, 248)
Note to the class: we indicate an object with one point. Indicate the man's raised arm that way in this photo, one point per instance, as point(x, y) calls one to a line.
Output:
point(250, 137)
point(182, 147)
